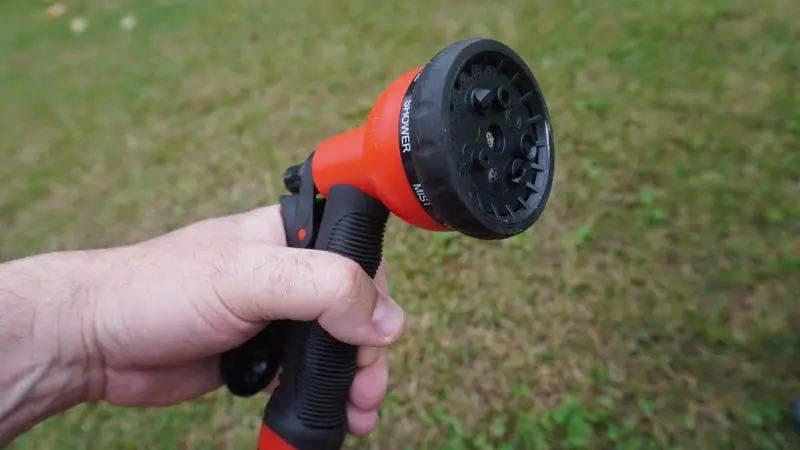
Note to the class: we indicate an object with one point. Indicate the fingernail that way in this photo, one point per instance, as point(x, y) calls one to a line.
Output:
point(388, 317)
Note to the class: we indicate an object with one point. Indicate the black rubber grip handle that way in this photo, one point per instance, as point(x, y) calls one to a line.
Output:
point(308, 409)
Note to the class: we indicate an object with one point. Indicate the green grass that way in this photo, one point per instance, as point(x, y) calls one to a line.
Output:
point(654, 305)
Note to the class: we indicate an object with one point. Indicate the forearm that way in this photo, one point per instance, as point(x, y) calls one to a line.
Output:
point(43, 339)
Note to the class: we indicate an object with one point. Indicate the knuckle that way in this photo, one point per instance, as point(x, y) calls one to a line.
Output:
point(348, 277)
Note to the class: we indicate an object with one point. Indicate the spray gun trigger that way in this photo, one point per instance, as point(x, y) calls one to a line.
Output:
point(302, 209)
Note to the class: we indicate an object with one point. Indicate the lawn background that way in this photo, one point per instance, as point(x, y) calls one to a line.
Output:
point(653, 306)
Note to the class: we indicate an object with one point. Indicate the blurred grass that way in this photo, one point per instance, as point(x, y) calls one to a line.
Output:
point(653, 306)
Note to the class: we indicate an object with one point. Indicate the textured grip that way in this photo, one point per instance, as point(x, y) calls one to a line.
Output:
point(308, 409)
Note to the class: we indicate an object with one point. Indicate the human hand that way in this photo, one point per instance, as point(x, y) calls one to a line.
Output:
point(172, 304)
point(154, 317)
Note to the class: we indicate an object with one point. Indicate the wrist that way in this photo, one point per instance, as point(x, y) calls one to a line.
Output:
point(46, 339)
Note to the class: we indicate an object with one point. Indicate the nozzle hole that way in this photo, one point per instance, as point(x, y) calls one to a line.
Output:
point(481, 159)
point(494, 177)
point(517, 169)
point(481, 100)
point(494, 138)
point(528, 146)
point(503, 97)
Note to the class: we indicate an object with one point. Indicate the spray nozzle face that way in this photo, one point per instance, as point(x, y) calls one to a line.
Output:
point(464, 143)
point(481, 145)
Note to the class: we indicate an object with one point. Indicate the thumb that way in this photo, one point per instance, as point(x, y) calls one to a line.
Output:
point(258, 283)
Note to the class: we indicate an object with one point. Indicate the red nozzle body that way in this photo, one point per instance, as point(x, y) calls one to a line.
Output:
point(268, 440)
point(369, 158)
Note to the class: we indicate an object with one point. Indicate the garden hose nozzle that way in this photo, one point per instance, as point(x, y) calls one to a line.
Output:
point(464, 144)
